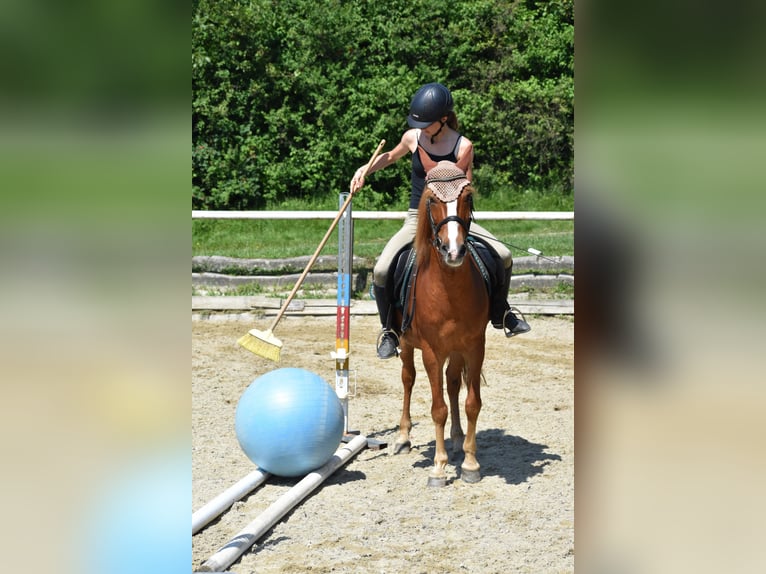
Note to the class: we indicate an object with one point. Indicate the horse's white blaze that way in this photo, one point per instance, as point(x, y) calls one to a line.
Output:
point(452, 229)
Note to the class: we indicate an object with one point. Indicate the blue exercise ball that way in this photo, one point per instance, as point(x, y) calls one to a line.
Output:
point(289, 422)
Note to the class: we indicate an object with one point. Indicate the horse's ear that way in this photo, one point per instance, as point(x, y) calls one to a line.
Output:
point(425, 159)
point(465, 162)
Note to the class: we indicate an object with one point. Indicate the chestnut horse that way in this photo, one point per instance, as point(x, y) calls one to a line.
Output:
point(449, 315)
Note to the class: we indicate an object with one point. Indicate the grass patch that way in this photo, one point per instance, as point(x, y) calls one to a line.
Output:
point(561, 290)
point(307, 291)
point(274, 239)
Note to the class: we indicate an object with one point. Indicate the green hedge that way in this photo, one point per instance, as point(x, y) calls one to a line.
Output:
point(290, 97)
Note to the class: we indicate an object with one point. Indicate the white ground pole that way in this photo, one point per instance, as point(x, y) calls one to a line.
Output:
point(223, 501)
point(243, 540)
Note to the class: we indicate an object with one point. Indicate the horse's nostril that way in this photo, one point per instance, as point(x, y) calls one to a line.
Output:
point(461, 251)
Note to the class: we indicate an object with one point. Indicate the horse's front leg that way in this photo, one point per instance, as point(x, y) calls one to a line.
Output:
point(403, 444)
point(470, 467)
point(454, 379)
point(434, 369)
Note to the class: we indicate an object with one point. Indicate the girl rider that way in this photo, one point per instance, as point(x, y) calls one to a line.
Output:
point(433, 137)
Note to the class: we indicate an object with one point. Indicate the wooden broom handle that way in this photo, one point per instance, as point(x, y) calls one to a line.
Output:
point(324, 240)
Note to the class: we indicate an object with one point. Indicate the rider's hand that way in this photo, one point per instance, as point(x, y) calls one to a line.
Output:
point(358, 180)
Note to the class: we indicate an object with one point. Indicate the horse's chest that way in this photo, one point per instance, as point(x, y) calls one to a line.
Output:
point(458, 301)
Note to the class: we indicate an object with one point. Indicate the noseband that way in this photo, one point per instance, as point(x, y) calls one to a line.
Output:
point(435, 227)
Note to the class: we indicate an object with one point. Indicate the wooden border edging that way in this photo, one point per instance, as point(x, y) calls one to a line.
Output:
point(268, 306)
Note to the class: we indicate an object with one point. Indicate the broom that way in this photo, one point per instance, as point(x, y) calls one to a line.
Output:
point(264, 343)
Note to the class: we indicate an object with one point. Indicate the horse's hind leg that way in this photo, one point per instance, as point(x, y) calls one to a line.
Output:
point(403, 444)
point(454, 379)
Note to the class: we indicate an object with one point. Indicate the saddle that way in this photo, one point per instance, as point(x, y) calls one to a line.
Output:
point(402, 276)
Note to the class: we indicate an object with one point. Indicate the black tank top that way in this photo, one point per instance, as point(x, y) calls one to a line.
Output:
point(418, 176)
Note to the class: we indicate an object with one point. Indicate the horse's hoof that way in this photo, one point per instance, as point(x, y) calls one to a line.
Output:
point(402, 447)
point(436, 481)
point(470, 476)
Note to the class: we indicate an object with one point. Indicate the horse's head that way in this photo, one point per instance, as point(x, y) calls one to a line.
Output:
point(445, 212)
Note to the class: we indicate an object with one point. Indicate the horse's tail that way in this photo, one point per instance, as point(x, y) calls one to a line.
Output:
point(464, 375)
point(481, 376)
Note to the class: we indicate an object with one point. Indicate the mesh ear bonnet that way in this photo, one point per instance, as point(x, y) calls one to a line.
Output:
point(446, 180)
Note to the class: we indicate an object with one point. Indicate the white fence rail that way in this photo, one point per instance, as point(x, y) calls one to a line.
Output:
point(480, 215)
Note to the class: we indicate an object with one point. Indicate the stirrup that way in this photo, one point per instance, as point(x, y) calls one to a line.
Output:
point(521, 320)
point(394, 340)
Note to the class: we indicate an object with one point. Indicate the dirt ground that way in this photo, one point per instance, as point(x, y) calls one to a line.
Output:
point(376, 513)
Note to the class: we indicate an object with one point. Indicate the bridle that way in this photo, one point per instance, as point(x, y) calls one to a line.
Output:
point(435, 227)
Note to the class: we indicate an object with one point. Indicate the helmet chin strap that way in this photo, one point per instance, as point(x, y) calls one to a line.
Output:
point(441, 127)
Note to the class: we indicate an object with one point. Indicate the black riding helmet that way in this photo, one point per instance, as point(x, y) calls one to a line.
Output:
point(429, 104)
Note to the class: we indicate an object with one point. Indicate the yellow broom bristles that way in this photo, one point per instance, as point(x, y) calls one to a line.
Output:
point(262, 343)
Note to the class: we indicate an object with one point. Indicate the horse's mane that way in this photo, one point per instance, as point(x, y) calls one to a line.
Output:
point(423, 235)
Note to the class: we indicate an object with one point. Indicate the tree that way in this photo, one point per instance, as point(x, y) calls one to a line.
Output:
point(290, 97)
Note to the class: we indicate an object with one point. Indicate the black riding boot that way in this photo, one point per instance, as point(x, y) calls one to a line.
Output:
point(387, 340)
point(502, 314)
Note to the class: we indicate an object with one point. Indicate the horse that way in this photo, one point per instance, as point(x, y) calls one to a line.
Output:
point(448, 316)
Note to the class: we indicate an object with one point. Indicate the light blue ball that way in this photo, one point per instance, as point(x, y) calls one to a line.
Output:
point(289, 422)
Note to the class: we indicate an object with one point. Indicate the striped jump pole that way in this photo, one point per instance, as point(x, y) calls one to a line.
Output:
point(342, 320)
point(342, 327)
